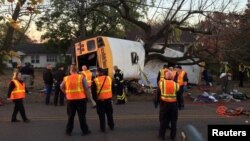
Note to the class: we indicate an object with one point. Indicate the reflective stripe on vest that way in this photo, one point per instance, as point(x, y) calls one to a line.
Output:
point(88, 76)
point(180, 79)
point(19, 90)
point(168, 90)
point(74, 87)
point(106, 91)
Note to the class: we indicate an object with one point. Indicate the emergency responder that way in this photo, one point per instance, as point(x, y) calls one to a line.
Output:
point(182, 79)
point(88, 76)
point(16, 93)
point(168, 105)
point(172, 69)
point(58, 77)
point(118, 86)
point(102, 91)
point(76, 89)
point(161, 73)
point(48, 81)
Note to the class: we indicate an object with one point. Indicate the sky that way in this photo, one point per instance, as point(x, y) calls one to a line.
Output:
point(153, 13)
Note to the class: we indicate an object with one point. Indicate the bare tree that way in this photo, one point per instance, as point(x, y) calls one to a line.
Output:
point(175, 15)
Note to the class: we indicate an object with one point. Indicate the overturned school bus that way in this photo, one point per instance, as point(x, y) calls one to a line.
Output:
point(106, 52)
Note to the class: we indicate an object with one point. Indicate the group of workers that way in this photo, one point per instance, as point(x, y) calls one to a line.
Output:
point(172, 82)
point(79, 87)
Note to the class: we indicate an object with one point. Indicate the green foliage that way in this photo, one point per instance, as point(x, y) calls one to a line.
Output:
point(66, 21)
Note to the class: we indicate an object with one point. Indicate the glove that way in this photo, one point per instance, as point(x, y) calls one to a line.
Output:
point(185, 88)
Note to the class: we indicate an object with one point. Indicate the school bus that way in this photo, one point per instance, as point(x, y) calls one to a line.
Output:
point(106, 52)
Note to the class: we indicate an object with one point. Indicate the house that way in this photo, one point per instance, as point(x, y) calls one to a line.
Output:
point(39, 55)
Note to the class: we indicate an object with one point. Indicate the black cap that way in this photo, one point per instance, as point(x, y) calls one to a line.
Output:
point(178, 66)
point(165, 66)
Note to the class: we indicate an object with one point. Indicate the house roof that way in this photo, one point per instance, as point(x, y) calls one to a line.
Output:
point(35, 48)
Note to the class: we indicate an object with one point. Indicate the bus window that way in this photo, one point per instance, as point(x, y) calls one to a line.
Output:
point(134, 58)
point(100, 42)
point(91, 45)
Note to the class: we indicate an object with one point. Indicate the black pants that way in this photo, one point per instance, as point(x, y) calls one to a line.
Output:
point(60, 94)
point(19, 108)
point(102, 108)
point(241, 78)
point(180, 99)
point(168, 114)
point(48, 93)
point(79, 106)
point(118, 92)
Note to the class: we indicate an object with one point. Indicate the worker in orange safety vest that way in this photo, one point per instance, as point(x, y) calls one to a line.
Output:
point(102, 92)
point(16, 93)
point(162, 72)
point(182, 79)
point(88, 76)
point(76, 89)
point(168, 105)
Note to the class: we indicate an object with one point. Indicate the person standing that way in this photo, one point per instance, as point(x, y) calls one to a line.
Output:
point(182, 79)
point(76, 89)
point(88, 76)
point(225, 80)
point(58, 77)
point(102, 91)
point(48, 81)
point(161, 73)
point(241, 74)
point(16, 93)
point(172, 69)
point(168, 106)
point(26, 74)
point(118, 86)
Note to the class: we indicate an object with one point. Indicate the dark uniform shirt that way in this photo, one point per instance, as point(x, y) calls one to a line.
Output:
point(48, 77)
point(118, 76)
point(58, 76)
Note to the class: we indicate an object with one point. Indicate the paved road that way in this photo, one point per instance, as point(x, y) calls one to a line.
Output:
point(135, 121)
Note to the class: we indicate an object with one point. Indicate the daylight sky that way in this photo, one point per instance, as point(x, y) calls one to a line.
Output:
point(156, 13)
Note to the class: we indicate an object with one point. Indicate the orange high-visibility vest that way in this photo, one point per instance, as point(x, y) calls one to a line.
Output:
point(106, 91)
point(19, 90)
point(88, 76)
point(74, 87)
point(168, 90)
point(180, 79)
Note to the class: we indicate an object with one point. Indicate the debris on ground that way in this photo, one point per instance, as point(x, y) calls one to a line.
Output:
point(204, 97)
point(223, 110)
point(209, 97)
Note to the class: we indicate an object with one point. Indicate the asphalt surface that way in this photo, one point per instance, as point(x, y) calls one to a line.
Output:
point(135, 121)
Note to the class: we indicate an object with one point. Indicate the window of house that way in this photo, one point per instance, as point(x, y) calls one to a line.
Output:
point(35, 59)
point(134, 58)
point(91, 45)
point(51, 58)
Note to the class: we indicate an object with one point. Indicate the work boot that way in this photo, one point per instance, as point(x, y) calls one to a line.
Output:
point(15, 120)
point(86, 133)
